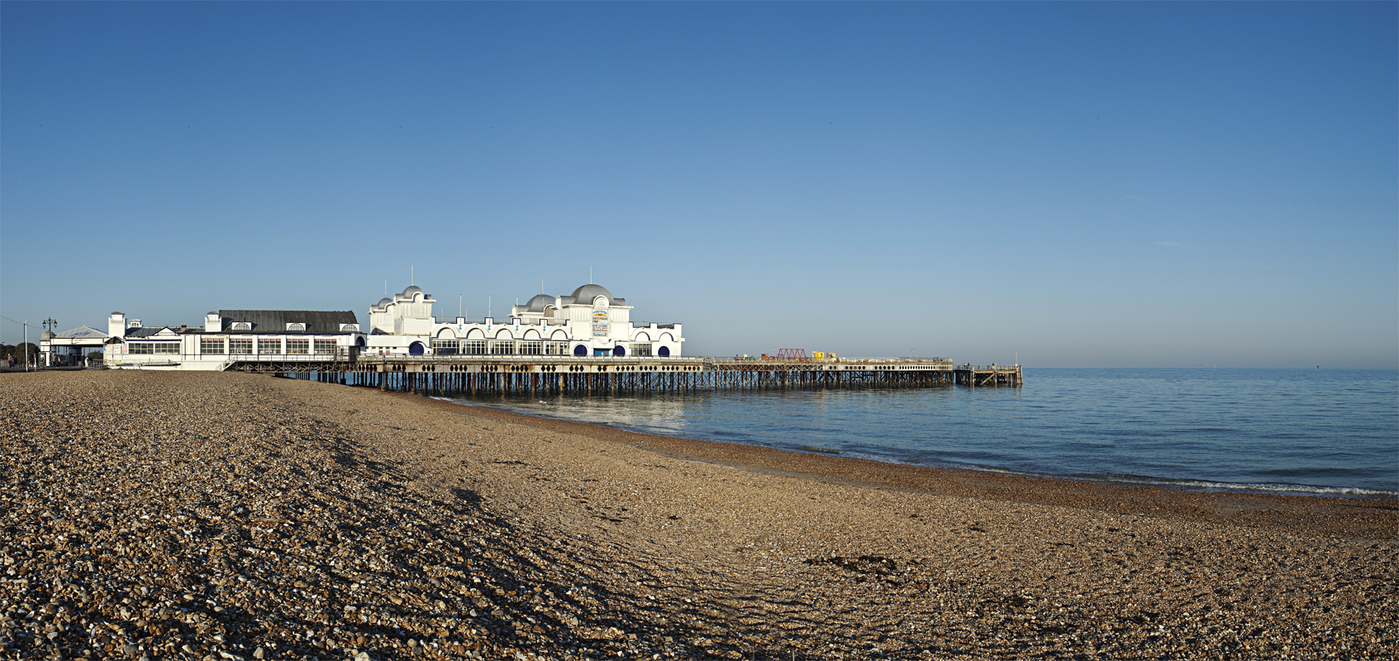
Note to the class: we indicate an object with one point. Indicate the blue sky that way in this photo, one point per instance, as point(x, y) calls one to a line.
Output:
point(1084, 184)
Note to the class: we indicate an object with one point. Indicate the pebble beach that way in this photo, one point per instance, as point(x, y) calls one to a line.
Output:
point(236, 516)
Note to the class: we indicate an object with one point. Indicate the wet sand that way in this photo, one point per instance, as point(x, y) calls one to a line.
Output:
point(236, 516)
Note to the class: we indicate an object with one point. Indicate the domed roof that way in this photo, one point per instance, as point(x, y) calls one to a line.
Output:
point(412, 289)
point(537, 303)
point(383, 303)
point(47, 335)
point(586, 294)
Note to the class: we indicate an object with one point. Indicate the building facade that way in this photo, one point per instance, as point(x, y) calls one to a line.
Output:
point(70, 347)
point(228, 336)
point(589, 322)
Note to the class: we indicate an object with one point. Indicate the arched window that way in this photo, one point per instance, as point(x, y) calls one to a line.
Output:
point(664, 352)
point(415, 349)
point(619, 351)
point(580, 350)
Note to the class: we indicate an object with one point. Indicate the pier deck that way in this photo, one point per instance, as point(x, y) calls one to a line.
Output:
point(456, 374)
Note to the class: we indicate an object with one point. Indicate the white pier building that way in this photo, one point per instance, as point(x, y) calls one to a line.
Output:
point(589, 322)
point(230, 336)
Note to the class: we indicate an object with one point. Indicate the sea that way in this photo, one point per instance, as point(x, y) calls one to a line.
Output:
point(1300, 431)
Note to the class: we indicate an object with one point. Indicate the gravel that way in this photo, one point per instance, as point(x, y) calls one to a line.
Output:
point(234, 516)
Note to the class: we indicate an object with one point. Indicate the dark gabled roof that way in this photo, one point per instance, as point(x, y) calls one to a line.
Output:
point(275, 321)
point(149, 331)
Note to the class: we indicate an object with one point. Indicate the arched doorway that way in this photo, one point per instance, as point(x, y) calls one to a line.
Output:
point(664, 352)
point(619, 351)
point(415, 349)
point(580, 350)
point(359, 342)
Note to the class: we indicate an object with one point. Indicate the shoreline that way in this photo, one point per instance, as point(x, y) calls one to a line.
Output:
point(226, 515)
point(1372, 516)
point(1201, 486)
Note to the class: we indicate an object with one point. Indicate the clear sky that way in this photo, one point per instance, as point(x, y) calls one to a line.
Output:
point(1084, 184)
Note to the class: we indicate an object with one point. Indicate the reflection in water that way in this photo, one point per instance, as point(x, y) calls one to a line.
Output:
point(1274, 429)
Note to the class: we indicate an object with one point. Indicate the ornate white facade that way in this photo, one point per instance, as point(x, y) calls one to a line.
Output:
point(589, 322)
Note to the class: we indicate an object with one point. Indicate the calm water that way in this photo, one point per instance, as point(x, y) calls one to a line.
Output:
point(1311, 431)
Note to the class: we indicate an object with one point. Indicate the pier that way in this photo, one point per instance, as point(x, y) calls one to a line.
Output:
point(585, 342)
point(987, 375)
point(469, 375)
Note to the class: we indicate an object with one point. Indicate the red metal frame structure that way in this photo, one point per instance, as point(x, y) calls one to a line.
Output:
point(791, 354)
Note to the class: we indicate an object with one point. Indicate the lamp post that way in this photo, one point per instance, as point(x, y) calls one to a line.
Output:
point(51, 326)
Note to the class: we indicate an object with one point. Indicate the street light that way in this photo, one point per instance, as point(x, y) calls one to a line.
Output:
point(51, 326)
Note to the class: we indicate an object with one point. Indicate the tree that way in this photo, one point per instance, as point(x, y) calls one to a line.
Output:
point(17, 350)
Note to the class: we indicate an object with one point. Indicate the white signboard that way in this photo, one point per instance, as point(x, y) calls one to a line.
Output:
point(600, 324)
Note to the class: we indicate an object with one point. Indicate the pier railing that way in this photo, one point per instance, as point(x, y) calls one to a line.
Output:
point(793, 361)
point(458, 374)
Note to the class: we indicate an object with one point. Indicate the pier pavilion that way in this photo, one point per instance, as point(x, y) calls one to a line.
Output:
point(590, 322)
point(585, 342)
point(230, 337)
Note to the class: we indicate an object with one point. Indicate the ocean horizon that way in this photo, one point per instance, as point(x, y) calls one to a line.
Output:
point(1286, 430)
